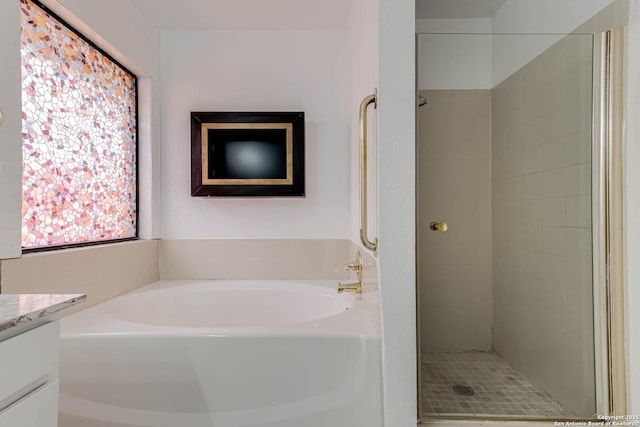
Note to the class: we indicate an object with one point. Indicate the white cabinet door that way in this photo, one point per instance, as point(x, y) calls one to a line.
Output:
point(38, 409)
point(28, 359)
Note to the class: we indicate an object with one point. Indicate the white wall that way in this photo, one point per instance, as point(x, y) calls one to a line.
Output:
point(257, 71)
point(396, 209)
point(454, 61)
point(454, 26)
point(363, 78)
point(10, 131)
point(632, 205)
point(130, 41)
point(539, 17)
point(469, 61)
point(544, 16)
point(512, 52)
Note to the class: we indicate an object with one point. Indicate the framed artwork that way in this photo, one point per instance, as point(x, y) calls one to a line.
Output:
point(247, 154)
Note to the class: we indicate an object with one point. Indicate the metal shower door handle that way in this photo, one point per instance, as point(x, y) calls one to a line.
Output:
point(438, 226)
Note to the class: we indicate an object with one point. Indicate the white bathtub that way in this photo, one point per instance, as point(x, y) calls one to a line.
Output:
point(223, 353)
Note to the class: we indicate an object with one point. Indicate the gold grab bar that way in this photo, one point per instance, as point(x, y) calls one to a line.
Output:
point(373, 246)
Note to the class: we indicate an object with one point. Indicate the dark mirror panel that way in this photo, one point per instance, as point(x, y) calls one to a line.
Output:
point(247, 154)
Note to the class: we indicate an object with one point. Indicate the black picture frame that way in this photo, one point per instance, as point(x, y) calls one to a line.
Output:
point(283, 134)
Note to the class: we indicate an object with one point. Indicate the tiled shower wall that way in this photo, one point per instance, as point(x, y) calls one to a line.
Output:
point(541, 184)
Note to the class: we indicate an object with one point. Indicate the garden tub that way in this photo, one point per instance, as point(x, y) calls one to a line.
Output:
point(223, 353)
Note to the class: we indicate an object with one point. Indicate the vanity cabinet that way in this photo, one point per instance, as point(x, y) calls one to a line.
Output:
point(29, 377)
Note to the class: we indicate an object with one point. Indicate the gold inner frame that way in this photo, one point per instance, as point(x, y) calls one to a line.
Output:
point(288, 127)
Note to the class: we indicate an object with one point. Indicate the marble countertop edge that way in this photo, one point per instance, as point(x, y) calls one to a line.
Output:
point(20, 309)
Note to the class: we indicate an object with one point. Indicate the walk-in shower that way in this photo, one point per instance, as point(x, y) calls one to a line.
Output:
point(504, 157)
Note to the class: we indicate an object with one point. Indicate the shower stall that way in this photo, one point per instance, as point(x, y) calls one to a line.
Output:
point(505, 195)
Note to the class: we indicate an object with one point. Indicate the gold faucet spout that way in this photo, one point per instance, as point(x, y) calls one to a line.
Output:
point(355, 287)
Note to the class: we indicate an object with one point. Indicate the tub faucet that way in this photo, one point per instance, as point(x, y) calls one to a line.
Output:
point(355, 287)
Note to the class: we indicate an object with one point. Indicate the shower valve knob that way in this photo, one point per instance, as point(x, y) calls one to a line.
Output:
point(438, 226)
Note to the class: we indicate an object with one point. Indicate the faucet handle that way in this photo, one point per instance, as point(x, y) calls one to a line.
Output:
point(353, 266)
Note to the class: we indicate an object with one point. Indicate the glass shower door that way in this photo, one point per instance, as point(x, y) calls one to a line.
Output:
point(506, 292)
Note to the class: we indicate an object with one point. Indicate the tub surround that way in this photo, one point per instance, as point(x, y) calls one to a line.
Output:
point(315, 259)
point(254, 258)
point(92, 270)
point(102, 272)
point(22, 309)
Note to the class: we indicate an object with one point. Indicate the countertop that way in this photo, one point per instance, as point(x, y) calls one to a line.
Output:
point(21, 309)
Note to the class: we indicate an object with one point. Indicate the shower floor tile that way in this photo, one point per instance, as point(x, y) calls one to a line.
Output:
point(499, 389)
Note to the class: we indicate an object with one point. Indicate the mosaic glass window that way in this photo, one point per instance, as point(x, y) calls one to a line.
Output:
point(79, 137)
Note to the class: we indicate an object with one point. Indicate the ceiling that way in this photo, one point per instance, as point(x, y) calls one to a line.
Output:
point(245, 14)
point(451, 9)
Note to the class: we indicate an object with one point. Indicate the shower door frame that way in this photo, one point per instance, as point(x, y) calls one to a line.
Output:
point(607, 203)
point(607, 231)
